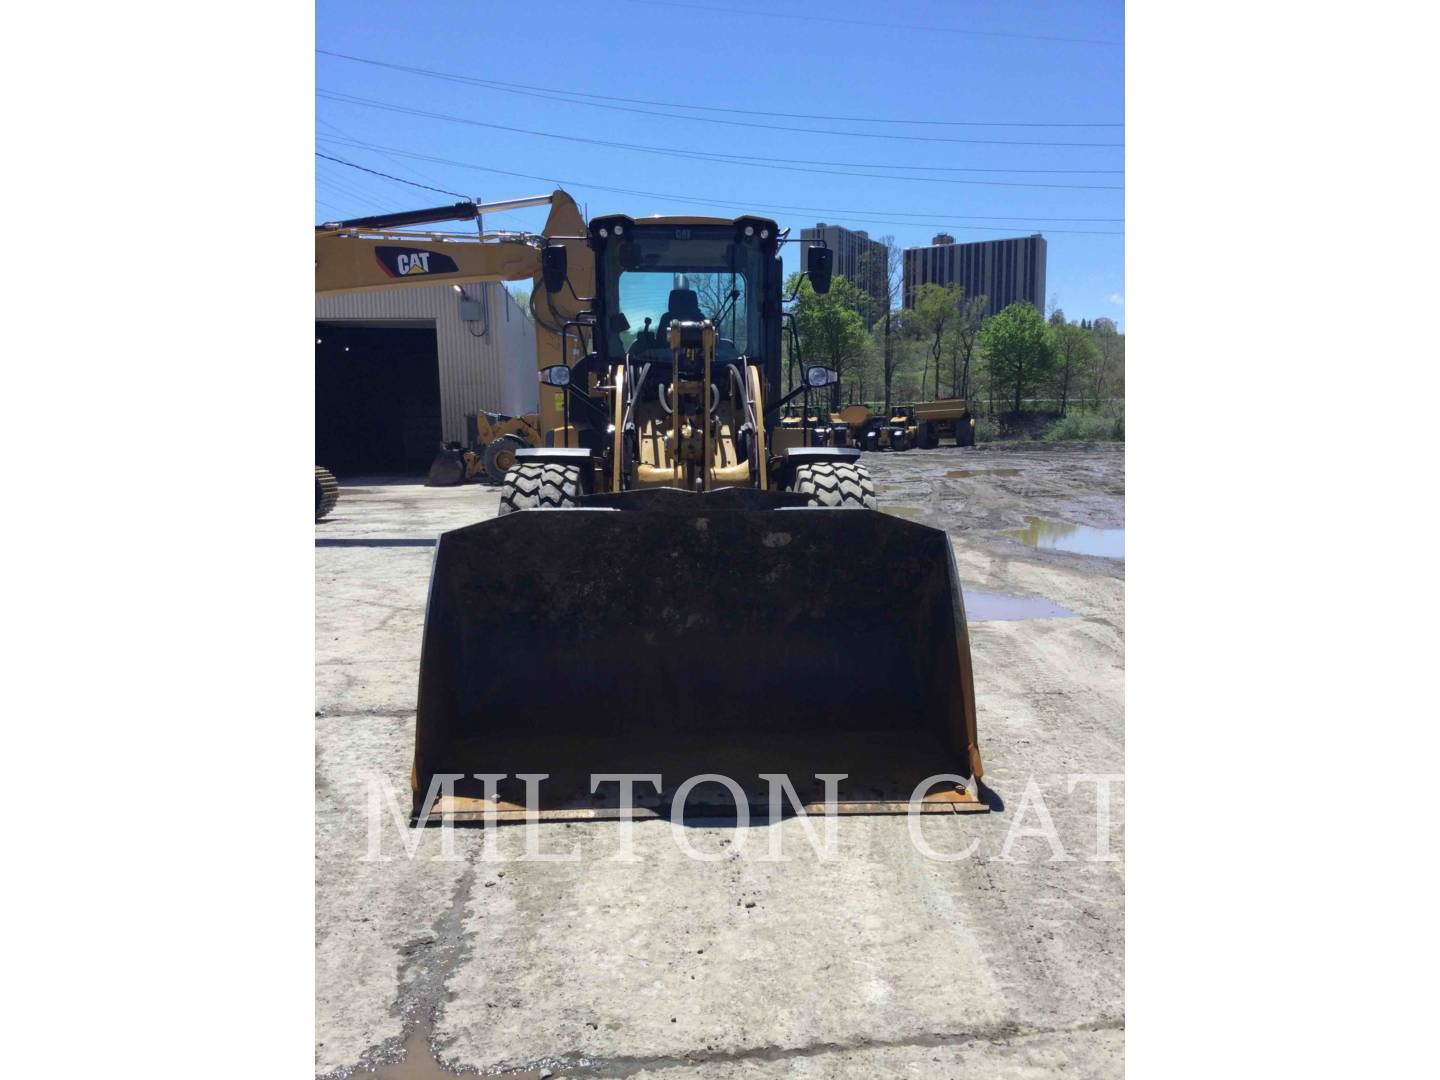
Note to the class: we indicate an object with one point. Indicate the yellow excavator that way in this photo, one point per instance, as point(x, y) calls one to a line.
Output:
point(677, 585)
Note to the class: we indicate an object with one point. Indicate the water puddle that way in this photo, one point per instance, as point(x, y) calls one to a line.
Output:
point(997, 607)
point(962, 473)
point(1079, 539)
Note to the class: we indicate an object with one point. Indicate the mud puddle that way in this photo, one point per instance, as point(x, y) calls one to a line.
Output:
point(983, 606)
point(1077, 539)
point(964, 473)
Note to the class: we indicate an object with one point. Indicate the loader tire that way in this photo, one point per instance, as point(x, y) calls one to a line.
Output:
point(327, 492)
point(500, 457)
point(530, 487)
point(843, 484)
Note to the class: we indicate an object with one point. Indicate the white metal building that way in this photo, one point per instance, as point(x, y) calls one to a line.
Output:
point(401, 368)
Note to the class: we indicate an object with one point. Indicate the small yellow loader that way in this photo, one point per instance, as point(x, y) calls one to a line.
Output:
point(489, 450)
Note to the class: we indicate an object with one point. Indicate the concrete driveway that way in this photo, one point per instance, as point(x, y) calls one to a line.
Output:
point(880, 962)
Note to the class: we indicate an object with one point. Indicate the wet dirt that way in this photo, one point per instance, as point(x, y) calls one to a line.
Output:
point(993, 495)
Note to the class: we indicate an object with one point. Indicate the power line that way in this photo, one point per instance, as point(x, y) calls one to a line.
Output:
point(865, 22)
point(390, 150)
point(766, 160)
point(351, 99)
point(560, 182)
point(353, 141)
point(498, 85)
point(354, 195)
point(807, 130)
point(387, 176)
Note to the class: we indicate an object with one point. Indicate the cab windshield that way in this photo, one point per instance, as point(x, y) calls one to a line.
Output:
point(667, 273)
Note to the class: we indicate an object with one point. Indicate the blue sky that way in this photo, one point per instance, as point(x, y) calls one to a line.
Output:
point(1020, 63)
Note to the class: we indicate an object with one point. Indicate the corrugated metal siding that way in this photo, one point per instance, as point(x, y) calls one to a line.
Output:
point(486, 366)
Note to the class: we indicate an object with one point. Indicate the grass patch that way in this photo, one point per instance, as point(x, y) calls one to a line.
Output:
point(1087, 427)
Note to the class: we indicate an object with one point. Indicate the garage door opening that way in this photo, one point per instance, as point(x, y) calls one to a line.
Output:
point(377, 398)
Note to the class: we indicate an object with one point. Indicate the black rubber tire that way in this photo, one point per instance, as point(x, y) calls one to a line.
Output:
point(925, 437)
point(536, 486)
point(900, 443)
point(327, 492)
point(964, 433)
point(500, 457)
point(844, 483)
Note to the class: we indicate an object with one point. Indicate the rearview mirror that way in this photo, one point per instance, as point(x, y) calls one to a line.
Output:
point(554, 265)
point(819, 264)
point(821, 376)
point(555, 374)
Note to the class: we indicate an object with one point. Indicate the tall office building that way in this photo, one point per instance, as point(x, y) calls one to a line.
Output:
point(1004, 271)
point(859, 259)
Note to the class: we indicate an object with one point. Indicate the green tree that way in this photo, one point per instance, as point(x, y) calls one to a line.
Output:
point(1108, 373)
point(962, 337)
point(832, 333)
point(1075, 356)
point(881, 271)
point(1020, 351)
point(932, 314)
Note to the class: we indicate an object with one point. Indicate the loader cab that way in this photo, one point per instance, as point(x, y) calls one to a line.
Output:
point(654, 272)
point(675, 299)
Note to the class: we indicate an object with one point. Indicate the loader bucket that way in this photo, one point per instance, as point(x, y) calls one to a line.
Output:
point(684, 634)
point(448, 468)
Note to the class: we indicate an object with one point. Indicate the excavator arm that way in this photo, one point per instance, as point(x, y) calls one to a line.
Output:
point(365, 254)
point(376, 253)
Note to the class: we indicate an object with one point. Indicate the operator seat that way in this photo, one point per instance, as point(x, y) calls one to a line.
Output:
point(685, 306)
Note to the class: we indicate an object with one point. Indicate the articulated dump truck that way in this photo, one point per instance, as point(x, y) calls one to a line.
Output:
point(677, 584)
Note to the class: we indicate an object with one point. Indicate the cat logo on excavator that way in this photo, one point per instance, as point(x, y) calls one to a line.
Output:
point(404, 262)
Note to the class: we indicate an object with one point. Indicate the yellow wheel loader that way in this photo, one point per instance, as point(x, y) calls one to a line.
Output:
point(687, 587)
point(488, 452)
point(899, 432)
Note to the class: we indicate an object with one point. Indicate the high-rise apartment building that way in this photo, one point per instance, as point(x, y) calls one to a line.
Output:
point(1004, 271)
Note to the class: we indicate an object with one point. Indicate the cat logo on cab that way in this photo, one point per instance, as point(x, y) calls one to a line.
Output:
point(409, 262)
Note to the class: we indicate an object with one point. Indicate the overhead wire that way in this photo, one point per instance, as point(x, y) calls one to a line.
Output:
point(881, 25)
point(692, 199)
point(790, 128)
point(500, 84)
point(352, 99)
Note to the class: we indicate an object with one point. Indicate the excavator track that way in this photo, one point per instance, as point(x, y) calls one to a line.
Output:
point(327, 492)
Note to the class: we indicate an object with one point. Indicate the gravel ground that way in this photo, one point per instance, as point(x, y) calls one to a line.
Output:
point(881, 962)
